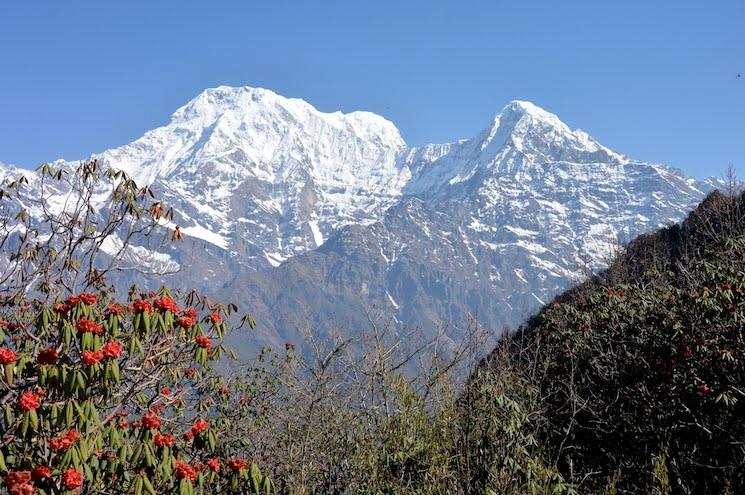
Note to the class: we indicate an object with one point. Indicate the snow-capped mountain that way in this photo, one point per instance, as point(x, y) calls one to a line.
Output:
point(309, 217)
point(247, 165)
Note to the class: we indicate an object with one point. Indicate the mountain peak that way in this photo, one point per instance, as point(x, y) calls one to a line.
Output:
point(536, 132)
point(519, 116)
point(526, 107)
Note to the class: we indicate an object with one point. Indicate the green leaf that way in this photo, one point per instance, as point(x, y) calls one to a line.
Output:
point(25, 424)
point(34, 419)
point(138, 485)
point(68, 414)
point(148, 486)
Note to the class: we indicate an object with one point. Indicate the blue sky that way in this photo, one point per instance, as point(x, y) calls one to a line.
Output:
point(655, 80)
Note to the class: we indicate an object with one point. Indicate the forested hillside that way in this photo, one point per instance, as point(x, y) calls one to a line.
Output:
point(640, 370)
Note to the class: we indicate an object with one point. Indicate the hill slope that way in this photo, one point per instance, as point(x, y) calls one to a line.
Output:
point(644, 362)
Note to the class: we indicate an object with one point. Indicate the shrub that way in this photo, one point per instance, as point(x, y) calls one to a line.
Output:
point(641, 369)
point(104, 394)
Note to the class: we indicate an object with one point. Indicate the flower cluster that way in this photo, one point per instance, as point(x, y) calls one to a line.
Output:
point(90, 358)
point(185, 322)
point(214, 465)
point(150, 421)
point(80, 317)
point(199, 426)
point(114, 309)
point(87, 298)
point(64, 441)
point(19, 483)
point(111, 350)
point(167, 304)
point(202, 341)
point(237, 465)
point(184, 470)
point(86, 325)
point(72, 479)
point(161, 440)
point(7, 356)
point(48, 356)
point(22, 482)
point(29, 401)
point(142, 306)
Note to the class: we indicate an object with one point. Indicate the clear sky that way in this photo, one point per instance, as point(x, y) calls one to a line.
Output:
point(656, 80)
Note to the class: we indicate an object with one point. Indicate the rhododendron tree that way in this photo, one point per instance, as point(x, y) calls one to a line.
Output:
point(85, 367)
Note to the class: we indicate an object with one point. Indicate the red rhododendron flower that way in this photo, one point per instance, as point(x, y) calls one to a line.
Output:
point(87, 298)
point(185, 322)
point(190, 313)
point(188, 435)
point(64, 440)
point(142, 306)
point(166, 391)
point(215, 318)
point(40, 473)
point(150, 420)
point(167, 304)
point(115, 309)
point(199, 426)
point(19, 483)
point(214, 464)
point(237, 465)
point(111, 350)
point(90, 358)
point(704, 388)
point(16, 478)
point(23, 489)
point(28, 401)
point(7, 356)
point(86, 325)
point(72, 301)
point(190, 372)
point(60, 308)
point(184, 471)
point(72, 479)
point(203, 341)
point(163, 440)
point(47, 356)
point(223, 390)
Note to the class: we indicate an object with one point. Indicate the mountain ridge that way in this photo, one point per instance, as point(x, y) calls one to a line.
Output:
point(490, 225)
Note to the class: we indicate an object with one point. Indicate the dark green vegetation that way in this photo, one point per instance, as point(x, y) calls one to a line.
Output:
point(640, 370)
point(631, 382)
